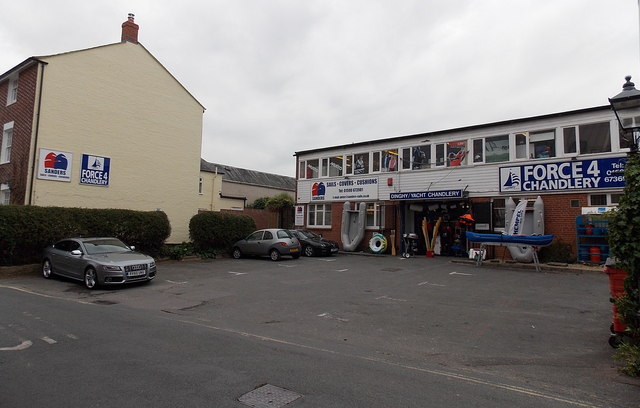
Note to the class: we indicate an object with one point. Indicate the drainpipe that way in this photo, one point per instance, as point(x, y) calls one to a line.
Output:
point(35, 139)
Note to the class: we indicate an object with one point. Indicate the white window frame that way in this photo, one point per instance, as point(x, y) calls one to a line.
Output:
point(12, 90)
point(5, 194)
point(609, 198)
point(318, 211)
point(378, 216)
point(7, 141)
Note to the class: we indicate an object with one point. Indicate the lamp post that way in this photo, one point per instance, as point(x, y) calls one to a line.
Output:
point(626, 106)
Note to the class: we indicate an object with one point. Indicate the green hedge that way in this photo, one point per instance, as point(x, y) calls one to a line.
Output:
point(26, 230)
point(216, 230)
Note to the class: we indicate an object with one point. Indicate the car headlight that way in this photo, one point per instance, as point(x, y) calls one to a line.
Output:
point(112, 268)
point(152, 264)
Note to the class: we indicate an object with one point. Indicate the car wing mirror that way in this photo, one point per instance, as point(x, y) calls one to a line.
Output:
point(132, 247)
point(76, 252)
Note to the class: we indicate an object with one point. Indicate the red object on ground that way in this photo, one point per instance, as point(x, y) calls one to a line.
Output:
point(594, 254)
point(616, 289)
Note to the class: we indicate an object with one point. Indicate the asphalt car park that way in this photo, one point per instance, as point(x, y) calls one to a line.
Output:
point(538, 336)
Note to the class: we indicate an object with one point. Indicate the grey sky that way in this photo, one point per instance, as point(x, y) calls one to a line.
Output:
point(280, 76)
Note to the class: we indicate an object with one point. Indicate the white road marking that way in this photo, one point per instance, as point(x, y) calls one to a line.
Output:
point(342, 270)
point(287, 266)
point(48, 340)
point(237, 273)
point(72, 336)
point(330, 316)
point(390, 298)
point(430, 284)
point(24, 345)
point(178, 283)
point(463, 274)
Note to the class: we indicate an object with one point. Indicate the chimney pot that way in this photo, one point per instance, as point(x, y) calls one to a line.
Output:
point(130, 30)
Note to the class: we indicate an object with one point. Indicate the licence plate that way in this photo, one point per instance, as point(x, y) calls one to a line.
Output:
point(293, 250)
point(136, 273)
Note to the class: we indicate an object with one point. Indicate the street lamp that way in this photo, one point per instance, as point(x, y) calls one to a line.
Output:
point(626, 106)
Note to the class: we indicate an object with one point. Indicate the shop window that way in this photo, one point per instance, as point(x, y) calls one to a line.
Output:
point(361, 163)
point(319, 215)
point(440, 155)
point(12, 91)
point(456, 153)
point(542, 144)
point(5, 146)
point(335, 166)
point(421, 156)
point(375, 162)
point(595, 138)
point(498, 213)
point(375, 216)
point(569, 140)
point(496, 149)
point(390, 160)
point(478, 150)
point(4, 193)
point(522, 147)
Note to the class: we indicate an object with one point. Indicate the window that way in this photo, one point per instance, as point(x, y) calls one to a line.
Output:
point(7, 136)
point(390, 160)
point(310, 169)
point(569, 139)
point(498, 213)
point(522, 147)
point(348, 166)
point(421, 157)
point(4, 194)
point(200, 185)
point(325, 167)
point(335, 166)
point(604, 200)
point(375, 215)
point(496, 149)
point(478, 151)
point(405, 156)
point(256, 236)
point(595, 138)
point(375, 162)
point(440, 155)
point(456, 153)
point(542, 144)
point(319, 215)
point(361, 163)
point(12, 92)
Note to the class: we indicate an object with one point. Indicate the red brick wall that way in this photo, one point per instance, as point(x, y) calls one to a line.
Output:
point(262, 218)
point(21, 113)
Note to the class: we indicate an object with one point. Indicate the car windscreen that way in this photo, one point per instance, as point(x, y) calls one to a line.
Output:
point(104, 246)
point(308, 234)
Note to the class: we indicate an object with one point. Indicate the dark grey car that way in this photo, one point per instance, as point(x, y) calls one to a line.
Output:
point(272, 242)
point(97, 261)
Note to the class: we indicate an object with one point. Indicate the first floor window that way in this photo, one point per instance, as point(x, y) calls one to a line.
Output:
point(594, 138)
point(319, 215)
point(4, 194)
point(7, 140)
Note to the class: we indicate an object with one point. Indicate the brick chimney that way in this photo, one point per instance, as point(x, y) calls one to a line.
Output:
point(130, 30)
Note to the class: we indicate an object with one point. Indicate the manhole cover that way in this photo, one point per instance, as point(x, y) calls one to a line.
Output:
point(269, 396)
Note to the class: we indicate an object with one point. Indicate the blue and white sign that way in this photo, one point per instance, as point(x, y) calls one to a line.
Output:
point(95, 170)
point(426, 195)
point(570, 175)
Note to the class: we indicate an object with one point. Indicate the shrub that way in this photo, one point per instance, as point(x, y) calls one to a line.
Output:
point(215, 230)
point(558, 251)
point(26, 230)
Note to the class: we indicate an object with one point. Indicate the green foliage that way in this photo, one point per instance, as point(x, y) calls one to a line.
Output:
point(629, 354)
point(26, 230)
point(216, 230)
point(624, 240)
point(259, 203)
point(178, 252)
point(558, 251)
point(280, 201)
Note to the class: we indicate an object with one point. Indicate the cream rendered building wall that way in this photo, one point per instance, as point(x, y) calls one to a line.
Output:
point(252, 191)
point(210, 199)
point(118, 101)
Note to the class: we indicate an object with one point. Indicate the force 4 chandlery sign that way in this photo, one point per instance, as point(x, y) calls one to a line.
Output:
point(95, 170)
point(54, 165)
point(571, 175)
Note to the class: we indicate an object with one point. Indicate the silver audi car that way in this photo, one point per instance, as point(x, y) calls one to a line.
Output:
point(97, 261)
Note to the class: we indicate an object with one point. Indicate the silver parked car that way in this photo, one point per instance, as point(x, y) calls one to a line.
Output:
point(97, 261)
point(272, 242)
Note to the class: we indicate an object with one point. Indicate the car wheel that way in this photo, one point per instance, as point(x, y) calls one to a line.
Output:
point(237, 254)
point(47, 269)
point(90, 278)
point(308, 251)
point(274, 255)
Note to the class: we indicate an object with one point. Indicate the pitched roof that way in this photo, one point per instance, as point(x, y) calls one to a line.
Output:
point(245, 176)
